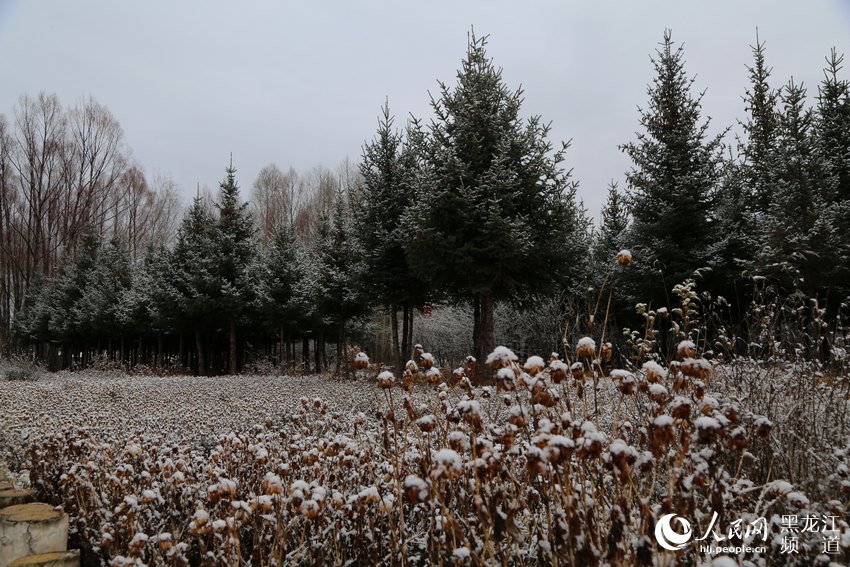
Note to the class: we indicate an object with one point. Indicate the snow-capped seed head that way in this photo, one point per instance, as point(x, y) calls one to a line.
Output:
point(658, 393)
point(533, 365)
point(426, 423)
point(432, 375)
point(558, 370)
point(506, 380)
point(607, 351)
point(361, 361)
point(272, 484)
point(698, 368)
point(686, 349)
point(386, 379)
point(200, 518)
point(681, 407)
point(617, 375)
point(449, 464)
point(415, 489)
point(459, 441)
point(577, 371)
point(590, 442)
point(707, 429)
point(559, 448)
point(585, 348)
point(624, 257)
point(622, 455)
point(763, 426)
point(501, 357)
point(654, 372)
point(417, 350)
point(516, 416)
point(427, 360)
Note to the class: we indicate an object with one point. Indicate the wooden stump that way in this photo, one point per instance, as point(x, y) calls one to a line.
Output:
point(54, 559)
point(30, 529)
point(14, 496)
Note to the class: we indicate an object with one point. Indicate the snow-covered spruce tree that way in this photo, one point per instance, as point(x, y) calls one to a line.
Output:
point(758, 146)
point(152, 305)
point(236, 250)
point(97, 313)
point(277, 299)
point(195, 275)
point(378, 206)
point(747, 185)
point(672, 183)
point(611, 236)
point(799, 239)
point(496, 217)
point(338, 274)
point(832, 133)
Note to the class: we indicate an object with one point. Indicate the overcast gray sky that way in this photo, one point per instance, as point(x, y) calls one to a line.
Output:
point(301, 83)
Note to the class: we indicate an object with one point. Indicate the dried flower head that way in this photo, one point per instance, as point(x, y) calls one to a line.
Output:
point(386, 379)
point(501, 357)
point(585, 348)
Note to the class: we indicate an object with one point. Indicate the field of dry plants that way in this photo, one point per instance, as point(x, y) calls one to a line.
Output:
point(554, 463)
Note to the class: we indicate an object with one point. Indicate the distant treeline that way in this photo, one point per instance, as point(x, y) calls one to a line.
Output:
point(474, 207)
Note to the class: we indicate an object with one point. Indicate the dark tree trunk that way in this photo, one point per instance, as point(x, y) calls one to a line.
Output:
point(317, 347)
point(407, 345)
point(340, 349)
point(159, 350)
point(181, 353)
point(234, 361)
point(199, 346)
point(486, 330)
point(477, 347)
point(397, 349)
point(482, 330)
point(305, 354)
point(405, 330)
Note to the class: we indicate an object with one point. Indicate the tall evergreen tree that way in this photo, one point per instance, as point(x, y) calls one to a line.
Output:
point(152, 302)
point(195, 275)
point(378, 207)
point(758, 147)
point(339, 269)
point(97, 313)
point(236, 249)
point(611, 237)
point(496, 216)
point(799, 237)
point(279, 302)
point(832, 132)
point(747, 185)
point(673, 181)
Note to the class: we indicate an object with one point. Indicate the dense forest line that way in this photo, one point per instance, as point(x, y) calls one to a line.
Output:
point(473, 207)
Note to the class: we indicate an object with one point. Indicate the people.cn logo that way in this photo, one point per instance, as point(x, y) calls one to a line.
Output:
point(668, 537)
